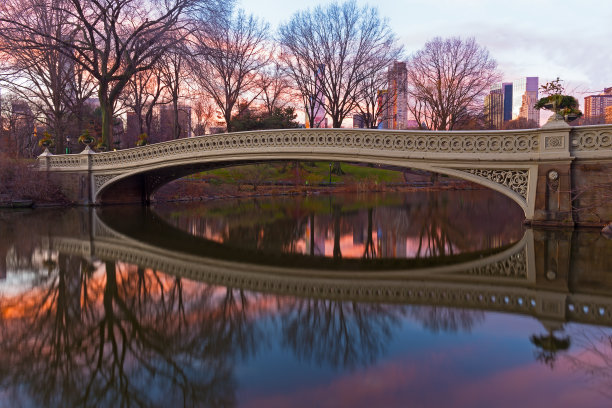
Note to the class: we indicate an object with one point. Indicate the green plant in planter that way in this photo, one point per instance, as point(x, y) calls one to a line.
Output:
point(46, 140)
point(101, 146)
point(86, 138)
point(565, 107)
point(142, 140)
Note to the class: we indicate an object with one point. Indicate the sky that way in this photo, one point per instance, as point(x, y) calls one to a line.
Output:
point(548, 39)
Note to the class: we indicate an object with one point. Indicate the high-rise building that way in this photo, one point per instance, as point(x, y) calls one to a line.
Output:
point(595, 105)
point(507, 92)
point(524, 97)
point(397, 99)
point(166, 122)
point(494, 108)
point(608, 114)
point(381, 102)
point(132, 129)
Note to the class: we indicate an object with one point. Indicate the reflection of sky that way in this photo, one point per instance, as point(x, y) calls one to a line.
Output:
point(493, 366)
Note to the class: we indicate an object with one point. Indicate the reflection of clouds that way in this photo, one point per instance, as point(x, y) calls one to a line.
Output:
point(445, 319)
point(424, 381)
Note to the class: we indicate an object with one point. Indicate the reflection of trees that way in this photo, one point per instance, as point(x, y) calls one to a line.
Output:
point(133, 338)
point(337, 252)
point(341, 334)
point(548, 346)
point(441, 223)
point(593, 356)
point(233, 328)
point(434, 237)
point(370, 250)
point(445, 319)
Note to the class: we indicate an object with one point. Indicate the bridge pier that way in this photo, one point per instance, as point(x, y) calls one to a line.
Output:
point(553, 202)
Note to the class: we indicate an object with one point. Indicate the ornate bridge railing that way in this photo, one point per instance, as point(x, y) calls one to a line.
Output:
point(516, 163)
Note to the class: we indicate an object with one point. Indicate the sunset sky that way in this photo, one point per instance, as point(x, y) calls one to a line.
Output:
point(568, 39)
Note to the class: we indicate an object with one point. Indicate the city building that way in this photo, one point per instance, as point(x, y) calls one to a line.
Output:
point(608, 115)
point(412, 124)
point(524, 97)
point(494, 108)
point(381, 102)
point(166, 122)
point(595, 105)
point(132, 129)
point(359, 121)
point(507, 92)
point(396, 107)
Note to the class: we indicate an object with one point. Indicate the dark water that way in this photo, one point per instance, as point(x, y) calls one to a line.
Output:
point(428, 299)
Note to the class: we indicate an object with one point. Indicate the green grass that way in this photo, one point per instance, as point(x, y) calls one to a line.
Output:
point(312, 174)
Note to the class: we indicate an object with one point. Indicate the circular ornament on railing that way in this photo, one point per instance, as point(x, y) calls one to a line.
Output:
point(553, 175)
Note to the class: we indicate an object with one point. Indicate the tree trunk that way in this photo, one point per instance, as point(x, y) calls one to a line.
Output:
point(337, 169)
point(106, 107)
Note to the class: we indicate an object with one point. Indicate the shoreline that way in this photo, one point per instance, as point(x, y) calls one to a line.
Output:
point(184, 192)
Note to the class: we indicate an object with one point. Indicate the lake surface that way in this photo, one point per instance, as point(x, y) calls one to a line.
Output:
point(420, 299)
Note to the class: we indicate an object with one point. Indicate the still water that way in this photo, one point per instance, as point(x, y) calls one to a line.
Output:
point(420, 299)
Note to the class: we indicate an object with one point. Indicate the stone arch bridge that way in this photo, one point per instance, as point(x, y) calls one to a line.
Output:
point(552, 173)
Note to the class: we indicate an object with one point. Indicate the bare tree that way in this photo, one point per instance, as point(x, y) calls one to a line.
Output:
point(229, 59)
point(110, 40)
point(173, 74)
point(141, 95)
point(43, 79)
point(205, 112)
point(447, 81)
point(18, 124)
point(373, 98)
point(350, 43)
point(275, 87)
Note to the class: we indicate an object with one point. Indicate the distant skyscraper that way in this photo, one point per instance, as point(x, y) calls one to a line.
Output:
point(397, 98)
point(595, 105)
point(166, 121)
point(381, 102)
point(507, 91)
point(132, 129)
point(524, 97)
point(608, 115)
point(494, 108)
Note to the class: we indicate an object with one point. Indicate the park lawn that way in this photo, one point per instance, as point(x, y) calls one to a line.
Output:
point(311, 173)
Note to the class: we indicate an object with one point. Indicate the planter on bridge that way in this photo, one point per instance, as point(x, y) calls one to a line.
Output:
point(86, 139)
point(565, 107)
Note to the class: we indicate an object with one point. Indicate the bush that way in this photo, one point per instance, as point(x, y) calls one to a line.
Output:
point(19, 180)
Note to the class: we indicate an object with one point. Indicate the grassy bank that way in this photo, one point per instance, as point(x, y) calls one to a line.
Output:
point(300, 178)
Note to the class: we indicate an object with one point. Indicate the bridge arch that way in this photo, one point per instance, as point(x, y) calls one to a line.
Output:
point(510, 179)
point(145, 181)
point(533, 167)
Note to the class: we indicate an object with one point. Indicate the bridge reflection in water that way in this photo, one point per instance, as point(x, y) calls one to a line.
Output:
point(87, 335)
point(535, 276)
